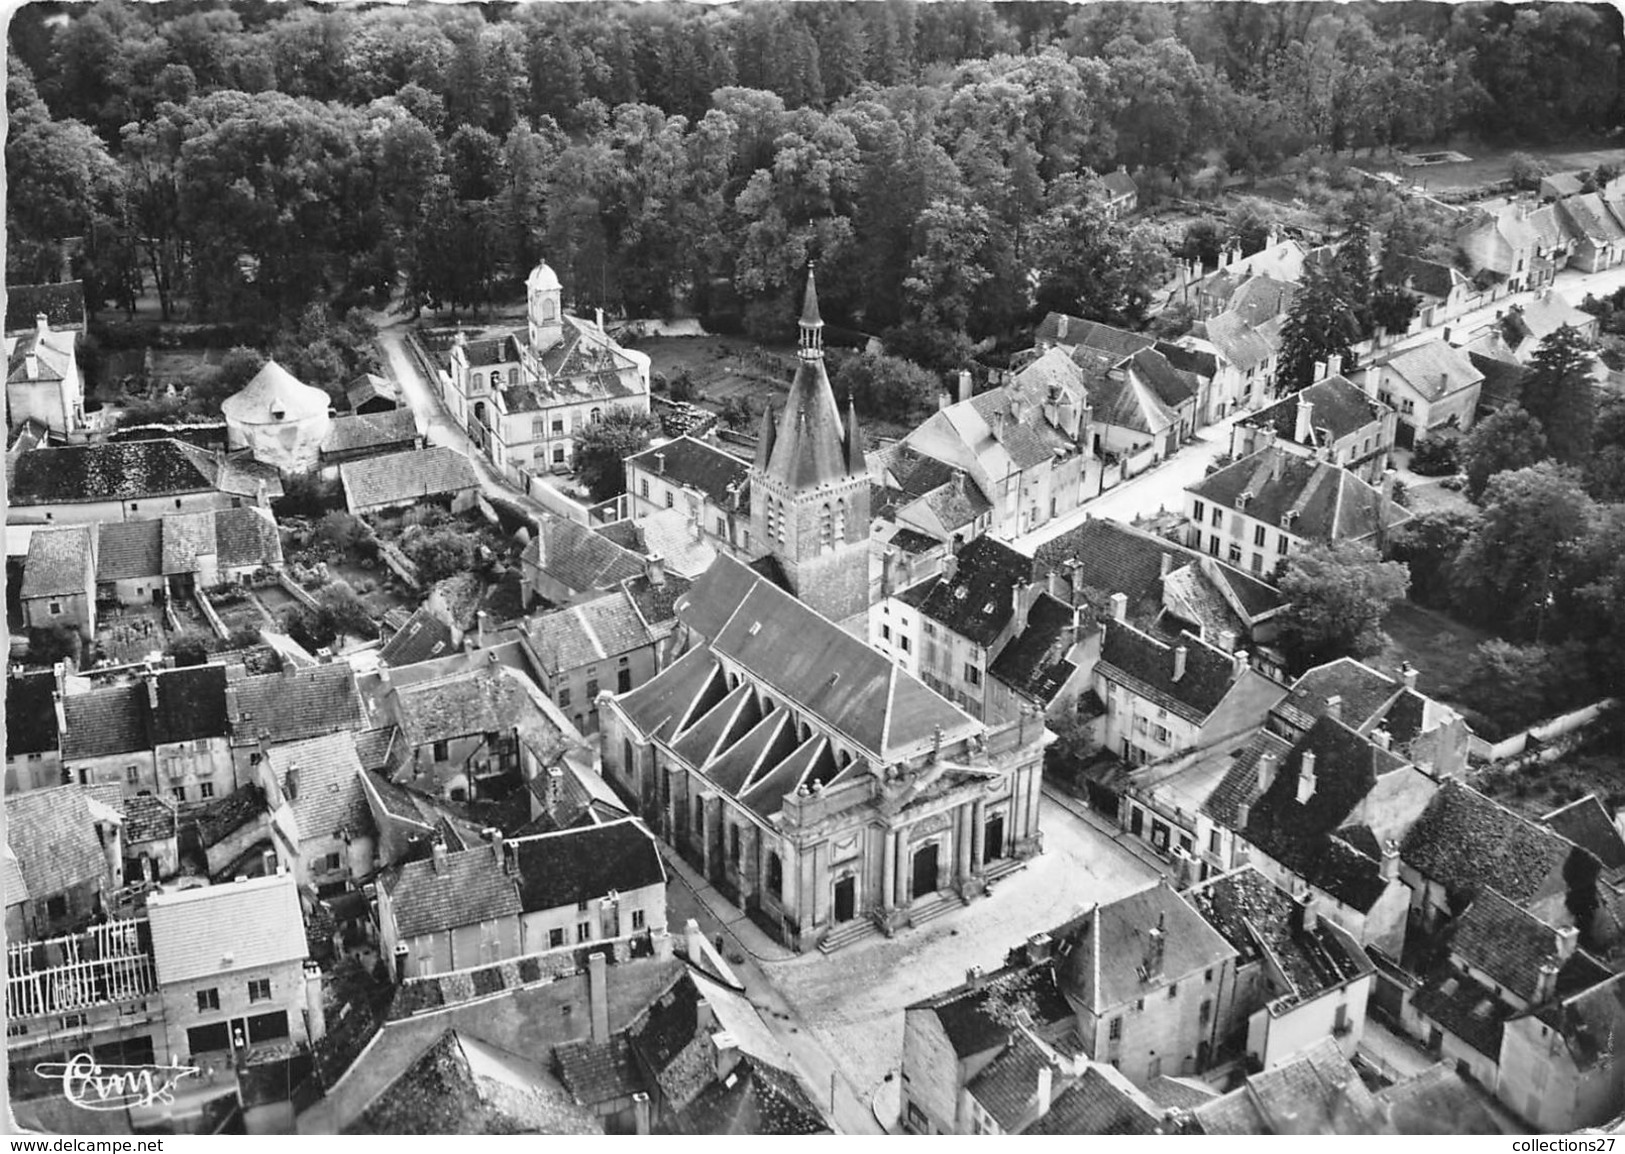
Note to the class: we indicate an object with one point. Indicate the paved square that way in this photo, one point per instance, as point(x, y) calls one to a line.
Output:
point(853, 1000)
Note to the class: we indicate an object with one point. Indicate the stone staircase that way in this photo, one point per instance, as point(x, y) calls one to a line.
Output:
point(921, 913)
point(1003, 868)
point(842, 936)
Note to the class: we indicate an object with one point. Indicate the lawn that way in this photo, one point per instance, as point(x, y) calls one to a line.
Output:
point(1438, 646)
point(1488, 165)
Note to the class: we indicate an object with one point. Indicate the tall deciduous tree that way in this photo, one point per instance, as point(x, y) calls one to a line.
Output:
point(603, 446)
point(1337, 596)
point(1509, 439)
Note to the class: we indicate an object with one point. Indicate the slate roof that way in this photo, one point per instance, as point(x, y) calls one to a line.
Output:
point(191, 704)
point(1467, 842)
point(112, 471)
point(1145, 666)
point(1035, 662)
point(579, 558)
point(984, 1017)
point(423, 636)
point(1339, 409)
point(395, 478)
point(1588, 825)
point(1256, 916)
point(1005, 1086)
point(129, 550)
point(697, 465)
point(1536, 319)
point(1301, 836)
point(361, 431)
point(1561, 184)
point(63, 305)
point(321, 778)
point(53, 835)
point(243, 925)
point(105, 721)
point(977, 601)
point(148, 817)
point(1435, 369)
point(295, 705)
point(60, 562)
point(31, 714)
point(1101, 1101)
point(577, 865)
point(1102, 956)
point(463, 889)
point(1328, 503)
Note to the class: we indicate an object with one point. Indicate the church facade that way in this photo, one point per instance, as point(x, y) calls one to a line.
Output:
point(823, 788)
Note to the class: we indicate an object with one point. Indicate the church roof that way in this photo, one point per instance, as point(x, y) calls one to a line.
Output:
point(810, 447)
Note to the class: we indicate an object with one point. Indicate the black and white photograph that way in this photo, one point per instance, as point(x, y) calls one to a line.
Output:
point(814, 567)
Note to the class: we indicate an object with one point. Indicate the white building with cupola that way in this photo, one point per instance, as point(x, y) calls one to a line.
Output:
point(525, 395)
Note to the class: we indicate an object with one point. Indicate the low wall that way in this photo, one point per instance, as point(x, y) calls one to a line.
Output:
point(399, 564)
point(1548, 735)
point(211, 616)
point(297, 591)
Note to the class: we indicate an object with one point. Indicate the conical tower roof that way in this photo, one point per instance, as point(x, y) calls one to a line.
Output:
point(275, 395)
point(810, 446)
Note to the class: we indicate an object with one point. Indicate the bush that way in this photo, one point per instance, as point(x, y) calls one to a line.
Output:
point(190, 647)
point(339, 531)
point(53, 643)
point(1435, 457)
point(307, 495)
point(440, 553)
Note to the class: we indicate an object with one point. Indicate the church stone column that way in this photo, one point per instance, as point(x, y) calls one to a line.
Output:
point(963, 824)
point(888, 869)
point(978, 829)
point(902, 869)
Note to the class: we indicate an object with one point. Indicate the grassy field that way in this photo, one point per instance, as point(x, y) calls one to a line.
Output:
point(1439, 647)
point(1489, 165)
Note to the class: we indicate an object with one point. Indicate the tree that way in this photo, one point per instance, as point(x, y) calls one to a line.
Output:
point(1508, 439)
point(307, 627)
point(1510, 570)
point(1319, 325)
point(1337, 596)
point(1434, 457)
point(1524, 171)
point(603, 446)
point(440, 553)
point(1558, 393)
point(344, 613)
point(890, 388)
point(190, 647)
point(1510, 686)
point(1427, 545)
point(1393, 309)
point(52, 643)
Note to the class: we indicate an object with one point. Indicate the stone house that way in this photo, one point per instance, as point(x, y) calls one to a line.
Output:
point(394, 480)
point(265, 710)
point(1434, 387)
point(593, 646)
point(67, 846)
point(1597, 231)
point(321, 825)
point(131, 481)
point(33, 736)
point(1560, 1065)
point(705, 481)
point(43, 382)
point(279, 419)
point(1332, 420)
point(59, 580)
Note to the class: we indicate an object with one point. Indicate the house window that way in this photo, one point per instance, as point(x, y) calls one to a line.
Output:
point(581, 906)
point(1281, 545)
point(132, 774)
point(259, 990)
point(56, 907)
point(1114, 1032)
point(1235, 554)
point(973, 675)
point(1258, 562)
point(733, 844)
point(1258, 536)
point(564, 698)
point(637, 920)
point(595, 416)
point(885, 632)
point(1207, 975)
point(1205, 1012)
point(643, 488)
point(178, 792)
point(1213, 545)
point(903, 643)
point(722, 527)
point(1173, 990)
point(671, 498)
point(775, 876)
point(205, 790)
point(583, 932)
point(558, 426)
point(555, 939)
point(558, 454)
point(1159, 733)
point(592, 688)
point(441, 751)
point(208, 1000)
point(1218, 518)
point(1199, 510)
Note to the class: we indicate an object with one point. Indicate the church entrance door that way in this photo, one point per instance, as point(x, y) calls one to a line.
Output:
point(846, 899)
point(925, 870)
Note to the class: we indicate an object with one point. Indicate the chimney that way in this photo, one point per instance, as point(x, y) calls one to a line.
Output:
point(1334, 362)
point(599, 316)
point(1334, 706)
point(998, 425)
point(1052, 584)
point(640, 1111)
point(42, 324)
point(655, 569)
point(1227, 640)
point(555, 788)
point(1567, 939)
point(1382, 739)
point(888, 571)
point(152, 690)
point(1546, 983)
point(1062, 325)
point(1320, 372)
point(290, 782)
point(944, 399)
point(1389, 866)
point(660, 463)
point(598, 995)
point(1020, 603)
point(1154, 947)
point(1275, 465)
point(61, 711)
point(950, 563)
point(1305, 429)
point(693, 942)
point(1243, 662)
point(1407, 674)
point(315, 1011)
point(1166, 564)
point(437, 851)
point(1046, 1086)
point(494, 835)
point(403, 961)
point(31, 361)
point(1266, 771)
point(1303, 913)
point(1119, 606)
point(965, 385)
point(973, 977)
point(1306, 777)
point(479, 628)
point(725, 1048)
point(1244, 811)
point(1039, 947)
point(1180, 654)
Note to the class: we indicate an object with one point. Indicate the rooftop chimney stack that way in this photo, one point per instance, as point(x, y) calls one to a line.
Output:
point(1407, 674)
point(1390, 860)
point(660, 463)
point(1243, 662)
point(1568, 938)
point(1306, 777)
point(1180, 656)
point(1304, 432)
point(966, 387)
point(655, 568)
point(437, 850)
point(598, 995)
point(1046, 1086)
point(1334, 364)
point(1334, 706)
point(973, 977)
point(42, 324)
point(1119, 606)
point(1546, 983)
point(1155, 944)
point(1266, 772)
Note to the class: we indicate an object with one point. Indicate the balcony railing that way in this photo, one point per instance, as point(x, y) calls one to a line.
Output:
point(104, 965)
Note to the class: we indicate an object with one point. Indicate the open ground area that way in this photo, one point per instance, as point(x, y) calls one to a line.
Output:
point(1536, 790)
point(1440, 647)
point(1488, 165)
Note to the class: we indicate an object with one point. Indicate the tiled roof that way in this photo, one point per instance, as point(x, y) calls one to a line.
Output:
point(294, 705)
point(1327, 503)
point(1561, 184)
point(370, 386)
point(148, 818)
point(1437, 1101)
point(1261, 298)
point(1338, 409)
point(657, 603)
point(186, 537)
point(577, 865)
point(191, 704)
point(589, 632)
point(1198, 362)
point(462, 889)
point(1173, 387)
point(1362, 690)
point(1435, 369)
point(321, 777)
point(31, 714)
point(1035, 662)
point(109, 471)
point(597, 1073)
point(63, 305)
point(492, 351)
point(400, 477)
point(275, 395)
point(1254, 914)
point(1106, 957)
point(1588, 215)
point(242, 476)
point(488, 699)
point(1539, 317)
point(1240, 782)
point(1588, 825)
point(1465, 1008)
point(1317, 1091)
point(128, 550)
point(1120, 184)
point(104, 722)
point(1178, 1093)
point(984, 1017)
point(53, 835)
point(1592, 1023)
point(1071, 331)
point(677, 537)
point(1431, 277)
point(239, 926)
point(13, 886)
point(977, 601)
point(1503, 380)
point(1242, 344)
point(1005, 1086)
point(1510, 945)
point(1466, 842)
point(1102, 1101)
point(579, 558)
point(53, 357)
point(754, 1098)
point(423, 636)
point(696, 465)
point(59, 562)
point(1300, 835)
point(351, 434)
point(1147, 667)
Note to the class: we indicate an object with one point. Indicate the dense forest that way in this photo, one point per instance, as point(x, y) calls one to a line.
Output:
point(940, 161)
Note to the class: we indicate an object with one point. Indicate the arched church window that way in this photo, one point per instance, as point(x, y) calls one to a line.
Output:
point(840, 519)
point(826, 527)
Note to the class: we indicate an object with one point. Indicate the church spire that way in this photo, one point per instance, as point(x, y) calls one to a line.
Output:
point(854, 442)
point(812, 325)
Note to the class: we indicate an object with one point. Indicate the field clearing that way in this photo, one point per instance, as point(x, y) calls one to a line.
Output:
point(1438, 646)
point(1489, 165)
